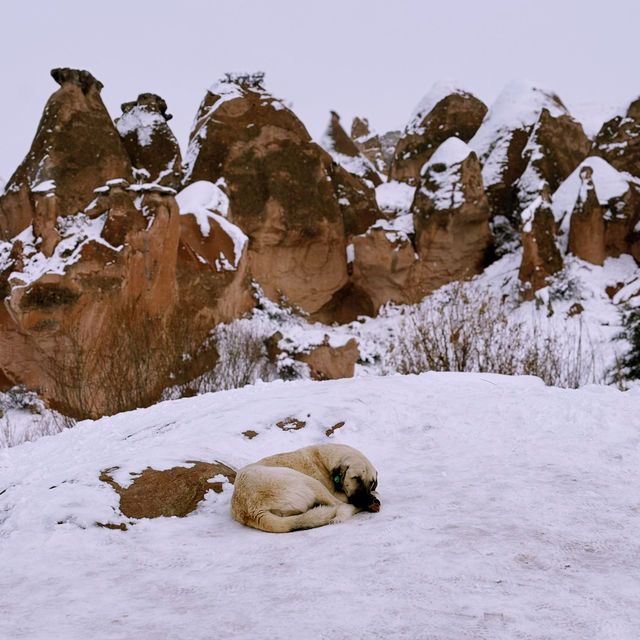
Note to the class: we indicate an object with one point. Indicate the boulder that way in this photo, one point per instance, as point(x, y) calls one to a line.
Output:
point(279, 187)
point(153, 149)
point(75, 150)
point(444, 112)
point(618, 141)
point(173, 492)
point(541, 257)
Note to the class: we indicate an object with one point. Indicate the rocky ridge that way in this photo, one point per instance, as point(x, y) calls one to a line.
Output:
point(108, 239)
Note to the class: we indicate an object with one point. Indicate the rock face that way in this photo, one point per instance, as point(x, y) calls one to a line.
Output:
point(76, 149)
point(444, 112)
point(344, 151)
point(280, 190)
point(95, 300)
point(587, 230)
point(501, 143)
point(541, 257)
point(618, 142)
point(150, 143)
point(597, 208)
point(451, 217)
point(451, 232)
point(557, 145)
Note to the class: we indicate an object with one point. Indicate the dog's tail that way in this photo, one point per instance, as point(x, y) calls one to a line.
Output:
point(315, 517)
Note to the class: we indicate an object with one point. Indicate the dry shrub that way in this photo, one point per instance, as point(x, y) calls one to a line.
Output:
point(467, 329)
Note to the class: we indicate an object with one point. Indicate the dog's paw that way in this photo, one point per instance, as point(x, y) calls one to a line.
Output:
point(343, 512)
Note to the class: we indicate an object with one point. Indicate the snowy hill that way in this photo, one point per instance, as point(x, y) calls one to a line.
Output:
point(509, 510)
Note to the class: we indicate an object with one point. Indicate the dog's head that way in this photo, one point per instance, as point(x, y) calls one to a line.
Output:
point(357, 478)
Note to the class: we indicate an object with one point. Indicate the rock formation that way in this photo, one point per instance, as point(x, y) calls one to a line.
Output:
point(150, 143)
point(76, 149)
point(344, 151)
point(95, 297)
point(618, 141)
point(541, 257)
point(369, 144)
point(501, 141)
point(556, 146)
point(280, 190)
point(444, 112)
point(451, 235)
point(451, 217)
point(587, 230)
point(605, 203)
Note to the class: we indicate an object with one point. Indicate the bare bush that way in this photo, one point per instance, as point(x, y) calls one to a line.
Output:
point(24, 417)
point(242, 360)
point(465, 329)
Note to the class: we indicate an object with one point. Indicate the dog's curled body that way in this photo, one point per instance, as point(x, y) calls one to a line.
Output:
point(307, 488)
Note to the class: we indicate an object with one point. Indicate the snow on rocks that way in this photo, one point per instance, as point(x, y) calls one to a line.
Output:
point(500, 497)
point(609, 184)
point(444, 187)
point(518, 107)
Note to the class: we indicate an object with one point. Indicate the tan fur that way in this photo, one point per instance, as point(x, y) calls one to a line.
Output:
point(297, 490)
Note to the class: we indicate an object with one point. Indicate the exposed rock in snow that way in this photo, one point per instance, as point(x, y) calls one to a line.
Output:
point(150, 143)
point(75, 150)
point(451, 217)
point(444, 112)
point(344, 151)
point(618, 141)
point(369, 144)
point(541, 257)
point(280, 191)
point(501, 141)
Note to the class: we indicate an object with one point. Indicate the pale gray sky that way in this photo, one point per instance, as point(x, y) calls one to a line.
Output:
point(358, 57)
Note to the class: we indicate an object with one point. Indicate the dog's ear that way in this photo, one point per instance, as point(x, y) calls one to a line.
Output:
point(337, 476)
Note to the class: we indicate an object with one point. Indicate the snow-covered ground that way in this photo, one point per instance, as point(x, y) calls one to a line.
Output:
point(509, 510)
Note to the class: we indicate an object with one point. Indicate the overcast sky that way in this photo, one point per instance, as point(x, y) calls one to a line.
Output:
point(358, 57)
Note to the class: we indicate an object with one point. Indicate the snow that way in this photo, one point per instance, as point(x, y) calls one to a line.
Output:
point(394, 196)
point(439, 91)
point(509, 510)
point(76, 231)
point(43, 187)
point(207, 201)
point(358, 164)
point(142, 121)
point(609, 183)
point(517, 107)
point(443, 169)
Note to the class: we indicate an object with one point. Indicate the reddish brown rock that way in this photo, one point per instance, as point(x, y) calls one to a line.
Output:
point(541, 257)
point(444, 112)
point(173, 492)
point(384, 267)
point(279, 187)
point(76, 149)
point(587, 227)
point(327, 362)
point(451, 218)
point(556, 146)
point(618, 141)
point(504, 146)
point(344, 151)
point(149, 141)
